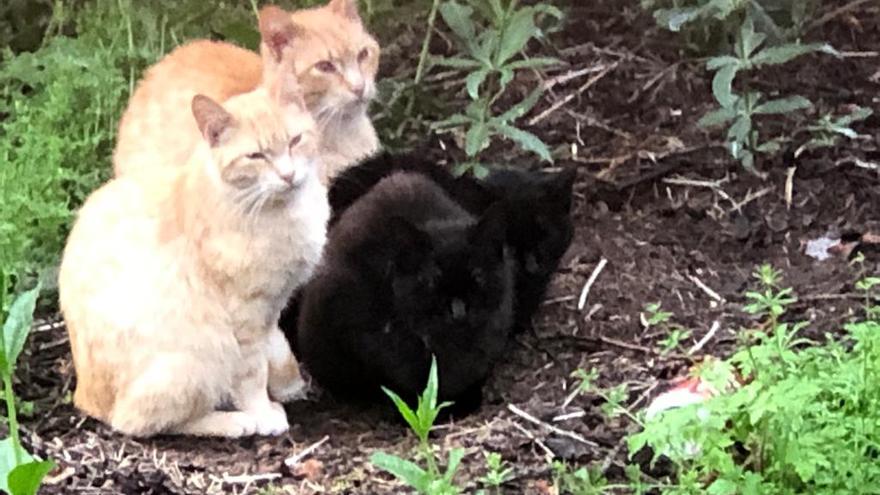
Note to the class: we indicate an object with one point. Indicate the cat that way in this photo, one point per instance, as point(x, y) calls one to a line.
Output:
point(333, 56)
point(172, 279)
point(539, 230)
point(408, 273)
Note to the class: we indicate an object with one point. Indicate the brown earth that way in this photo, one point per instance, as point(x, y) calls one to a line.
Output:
point(657, 198)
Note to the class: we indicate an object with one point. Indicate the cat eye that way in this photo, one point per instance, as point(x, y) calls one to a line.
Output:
point(296, 140)
point(256, 156)
point(363, 55)
point(325, 66)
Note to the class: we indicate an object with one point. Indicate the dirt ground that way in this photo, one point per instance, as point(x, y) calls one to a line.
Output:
point(657, 198)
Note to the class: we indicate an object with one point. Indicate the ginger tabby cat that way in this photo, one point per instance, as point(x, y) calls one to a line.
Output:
point(334, 58)
point(173, 278)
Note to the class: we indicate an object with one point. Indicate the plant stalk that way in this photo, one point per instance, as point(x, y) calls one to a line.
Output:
point(13, 420)
point(423, 56)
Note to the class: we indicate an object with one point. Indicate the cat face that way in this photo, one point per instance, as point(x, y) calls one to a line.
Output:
point(455, 279)
point(335, 58)
point(263, 144)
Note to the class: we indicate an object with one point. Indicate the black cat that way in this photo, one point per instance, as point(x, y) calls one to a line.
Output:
point(408, 273)
point(539, 229)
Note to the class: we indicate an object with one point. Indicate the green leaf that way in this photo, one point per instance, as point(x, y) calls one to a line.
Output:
point(403, 408)
point(739, 131)
point(749, 40)
point(455, 457)
point(404, 470)
point(770, 147)
point(516, 34)
point(715, 63)
point(7, 461)
point(521, 108)
point(453, 121)
point(674, 19)
point(458, 18)
point(16, 328)
point(783, 105)
point(25, 479)
point(858, 114)
point(506, 76)
point(533, 63)
point(477, 139)
point(722, 85)
point(776, 55)
point(722, 486)
point(717, 117)
point(456, 62)
point(526, 140)
point(473, 82)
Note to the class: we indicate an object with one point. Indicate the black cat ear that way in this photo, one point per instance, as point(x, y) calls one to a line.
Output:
point(557, 188)
point(410, 244)
point(490, 233)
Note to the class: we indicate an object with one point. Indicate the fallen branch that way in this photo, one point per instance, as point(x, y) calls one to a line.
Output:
point(295, 459)
point(706, 338)
point(559, 431)
point(582, 301)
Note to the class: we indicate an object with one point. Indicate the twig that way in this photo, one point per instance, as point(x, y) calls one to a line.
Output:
point(706, 338)
point(587, 85)
point(838, 11)
point(294, 459)
point(789, 186)
point(559, 431)
point(571, 415)
point(705, 288)
point(568, 76)
point(751, 197)
point(531, 436)
point(590, 281)
point(249, 478)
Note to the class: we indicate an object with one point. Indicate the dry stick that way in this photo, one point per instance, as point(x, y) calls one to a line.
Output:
point(751, 197)
point(590, 281)
point(294, 459)
point(556, 106)
point(531, 436)
point(706, 338)
point(559, 431)
point(705, 288)
point(249, 478)
point(836, 12)
point(789, 186)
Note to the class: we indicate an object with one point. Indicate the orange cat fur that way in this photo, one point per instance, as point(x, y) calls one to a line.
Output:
point(334, 58)
point(173, 279)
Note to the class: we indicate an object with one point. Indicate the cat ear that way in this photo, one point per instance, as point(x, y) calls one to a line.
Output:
point(490, 233)
point(277, 32)
point(408, 242)
point(345, 8)
point(215, 123)
point(557, 188)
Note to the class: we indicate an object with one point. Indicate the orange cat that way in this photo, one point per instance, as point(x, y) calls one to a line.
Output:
point(173, 279)
point(334, 58)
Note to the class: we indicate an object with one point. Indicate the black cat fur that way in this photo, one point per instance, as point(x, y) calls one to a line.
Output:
point(408, 273)
point(539, 231)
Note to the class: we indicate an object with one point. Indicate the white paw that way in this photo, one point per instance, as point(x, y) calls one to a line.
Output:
point(239, 424)
point(294, 390)
point(272, 420)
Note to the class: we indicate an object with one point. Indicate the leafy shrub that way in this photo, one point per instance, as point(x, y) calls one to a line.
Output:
point(759, 30)
point(491, 35)
point(805, 420)
point(20, 473)
point(59, 106)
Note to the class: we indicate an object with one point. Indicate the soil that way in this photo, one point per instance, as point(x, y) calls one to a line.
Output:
point(659, 199)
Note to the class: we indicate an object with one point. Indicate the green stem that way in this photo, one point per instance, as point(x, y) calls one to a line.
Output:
point(428, 452)
point(423, 56)
point(13, 420)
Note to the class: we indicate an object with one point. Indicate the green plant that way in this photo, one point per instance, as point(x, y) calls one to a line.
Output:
point(743, 138)
point(430, 480)
point(828, 129)
point(771, 301)
point(20, 473)
point(805, 419)
point(497, 473)
point(491, 34)
point(866, 285)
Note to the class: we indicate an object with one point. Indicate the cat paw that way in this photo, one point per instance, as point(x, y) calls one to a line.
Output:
point(239, 424)
point(295, 389)
point(272, 420)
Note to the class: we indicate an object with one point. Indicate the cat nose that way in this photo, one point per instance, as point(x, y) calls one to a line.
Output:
point(287, 176)
point(359, 90)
